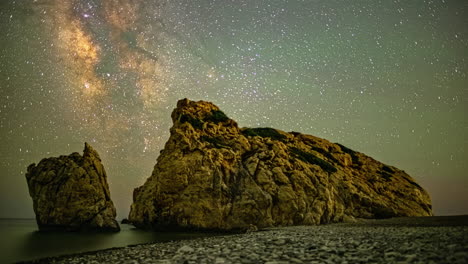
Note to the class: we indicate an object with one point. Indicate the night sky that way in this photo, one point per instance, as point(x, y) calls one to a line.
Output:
point(386, 78)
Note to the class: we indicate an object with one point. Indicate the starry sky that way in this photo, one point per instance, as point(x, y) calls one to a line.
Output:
point(386, 78)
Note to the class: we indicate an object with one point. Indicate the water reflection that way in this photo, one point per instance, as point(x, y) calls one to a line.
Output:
point(21, 240)
point(45, 244)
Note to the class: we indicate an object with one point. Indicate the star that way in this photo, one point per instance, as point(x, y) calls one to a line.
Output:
point(387, 79)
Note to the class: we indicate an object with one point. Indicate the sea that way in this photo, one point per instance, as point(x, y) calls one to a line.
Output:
point(20, 240)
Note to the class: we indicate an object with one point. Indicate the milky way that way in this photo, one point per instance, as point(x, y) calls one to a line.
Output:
point(388, 78)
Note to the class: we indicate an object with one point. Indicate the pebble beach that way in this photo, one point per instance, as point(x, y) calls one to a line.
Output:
point(399, 240)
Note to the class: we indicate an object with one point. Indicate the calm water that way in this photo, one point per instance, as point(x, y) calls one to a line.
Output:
point(19, 240)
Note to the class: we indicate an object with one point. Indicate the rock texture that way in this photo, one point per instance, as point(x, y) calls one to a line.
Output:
point(71, 193)
point(214, 175)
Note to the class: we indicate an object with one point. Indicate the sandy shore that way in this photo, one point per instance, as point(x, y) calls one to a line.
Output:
point(398, 240)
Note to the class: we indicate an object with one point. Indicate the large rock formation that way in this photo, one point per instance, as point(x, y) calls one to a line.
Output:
point(71, 193)
point(214, 175)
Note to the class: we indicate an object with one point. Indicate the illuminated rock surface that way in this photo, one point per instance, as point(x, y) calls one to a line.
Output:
point(71, 193)
point(214, 175)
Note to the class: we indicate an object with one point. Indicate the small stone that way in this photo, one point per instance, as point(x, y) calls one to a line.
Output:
point(411, 257)
point(220, 260)
point(325, 248)
point(391, 254)
point(185, 249)
point(160, 261)
point(295, 260)
point(280, 242)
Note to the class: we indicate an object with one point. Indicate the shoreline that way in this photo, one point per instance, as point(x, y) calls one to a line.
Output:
point(436, 239)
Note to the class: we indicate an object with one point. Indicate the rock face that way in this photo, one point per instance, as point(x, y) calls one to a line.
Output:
point(214, 175)
point(71, 193)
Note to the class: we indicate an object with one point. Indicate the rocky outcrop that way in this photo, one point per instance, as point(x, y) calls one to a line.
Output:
point(214, 175)
point(71, 193)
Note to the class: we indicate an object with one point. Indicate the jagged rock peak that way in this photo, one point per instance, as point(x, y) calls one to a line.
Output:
point(71, 193)
point(213, 175)
point(90, 152)
point(198, 114)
